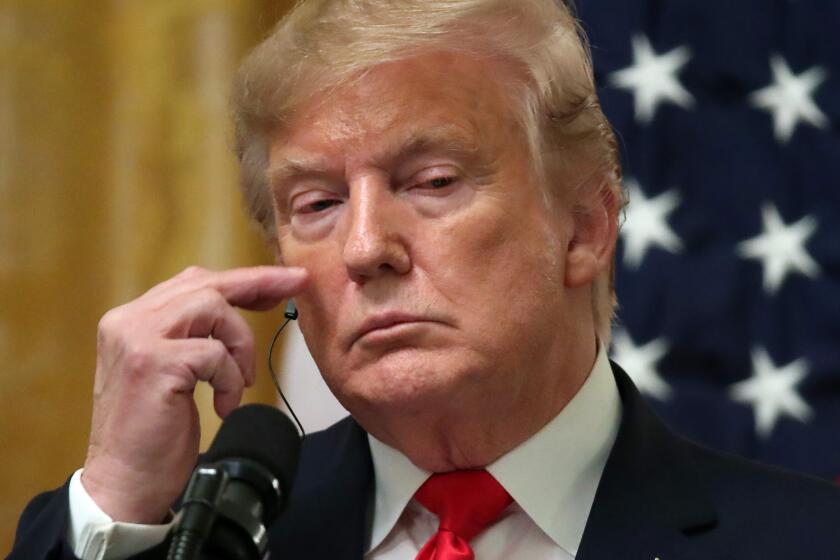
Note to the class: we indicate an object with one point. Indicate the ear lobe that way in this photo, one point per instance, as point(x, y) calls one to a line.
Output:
point(591, 247)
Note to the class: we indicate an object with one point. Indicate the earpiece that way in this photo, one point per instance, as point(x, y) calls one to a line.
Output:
point(291, 312)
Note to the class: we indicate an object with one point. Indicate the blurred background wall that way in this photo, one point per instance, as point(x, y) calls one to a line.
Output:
point(115, 173)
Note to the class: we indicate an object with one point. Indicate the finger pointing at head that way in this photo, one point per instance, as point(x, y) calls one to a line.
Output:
point(256, 288)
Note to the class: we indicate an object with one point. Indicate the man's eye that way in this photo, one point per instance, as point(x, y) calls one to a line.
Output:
point(440, 182)
point(319, 205)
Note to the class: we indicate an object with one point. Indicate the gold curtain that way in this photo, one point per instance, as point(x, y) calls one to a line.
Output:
point(116, 172)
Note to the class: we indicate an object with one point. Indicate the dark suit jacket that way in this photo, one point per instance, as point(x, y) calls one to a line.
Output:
point(660, 497)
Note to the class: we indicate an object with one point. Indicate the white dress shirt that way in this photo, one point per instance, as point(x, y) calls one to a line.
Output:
point(93, 535)
point(552, 478)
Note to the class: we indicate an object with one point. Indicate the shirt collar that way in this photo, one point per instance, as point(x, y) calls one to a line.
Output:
point(396, 481)
point(552, 476)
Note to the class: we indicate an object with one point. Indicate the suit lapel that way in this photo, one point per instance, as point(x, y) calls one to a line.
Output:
point(327, 516)
point(650, 499)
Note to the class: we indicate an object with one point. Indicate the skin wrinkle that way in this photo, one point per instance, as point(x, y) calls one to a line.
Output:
point(452, 394)
point(448, 139)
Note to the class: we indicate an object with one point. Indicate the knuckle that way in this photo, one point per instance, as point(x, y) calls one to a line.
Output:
point(248, 344)
point(179, 376)
point(210, 298)
point(111, 320)
point(120, 323)
point(218, 352)
point(192, 271)
point(246, 354)
point(137, 358)
point(111, 326)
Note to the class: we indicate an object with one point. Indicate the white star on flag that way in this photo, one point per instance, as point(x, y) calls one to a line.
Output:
point(790, 98)
point(781, 248)
point(771, 391)
point(640, 363)
point(646, 223)
point(653, 78)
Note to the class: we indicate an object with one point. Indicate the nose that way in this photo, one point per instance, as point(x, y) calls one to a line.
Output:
point(376, 244)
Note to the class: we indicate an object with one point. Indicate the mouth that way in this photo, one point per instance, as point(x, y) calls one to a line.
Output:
point(383, 325)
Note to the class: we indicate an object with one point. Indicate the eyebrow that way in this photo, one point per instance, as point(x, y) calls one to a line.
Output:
point(445, 139)
point(297, 168)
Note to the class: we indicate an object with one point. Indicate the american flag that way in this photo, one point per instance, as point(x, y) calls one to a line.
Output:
point(728, 116)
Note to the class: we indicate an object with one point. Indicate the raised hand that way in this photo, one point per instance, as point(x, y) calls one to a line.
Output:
point(151, 352)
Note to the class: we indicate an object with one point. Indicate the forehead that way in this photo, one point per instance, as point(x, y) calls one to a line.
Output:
point(438, 97)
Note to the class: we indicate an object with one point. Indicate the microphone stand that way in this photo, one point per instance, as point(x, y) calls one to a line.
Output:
point(223, 512)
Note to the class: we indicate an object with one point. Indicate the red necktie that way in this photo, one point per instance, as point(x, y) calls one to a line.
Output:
point(466, 502)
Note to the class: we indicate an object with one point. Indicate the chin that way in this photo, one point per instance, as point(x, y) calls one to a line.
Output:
point(409, 381)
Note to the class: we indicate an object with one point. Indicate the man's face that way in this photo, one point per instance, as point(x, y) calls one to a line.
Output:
point(437, 271)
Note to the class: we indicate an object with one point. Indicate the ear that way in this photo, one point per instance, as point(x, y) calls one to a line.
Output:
point(591, 247)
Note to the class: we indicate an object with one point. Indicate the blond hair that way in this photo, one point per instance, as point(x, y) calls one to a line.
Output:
point(322, 43)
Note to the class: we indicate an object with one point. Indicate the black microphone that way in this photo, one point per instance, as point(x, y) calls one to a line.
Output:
point(239, 487)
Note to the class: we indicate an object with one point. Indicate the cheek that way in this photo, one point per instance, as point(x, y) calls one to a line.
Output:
point(481, 255)
point(498, 273)
point(318, 303)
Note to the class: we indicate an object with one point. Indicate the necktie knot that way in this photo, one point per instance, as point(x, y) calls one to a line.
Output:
point(466, 502)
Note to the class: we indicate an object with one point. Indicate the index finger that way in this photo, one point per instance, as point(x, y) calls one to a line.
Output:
point(257, 288)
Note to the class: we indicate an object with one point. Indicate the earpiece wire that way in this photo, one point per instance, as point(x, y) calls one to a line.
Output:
point(274, 375)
